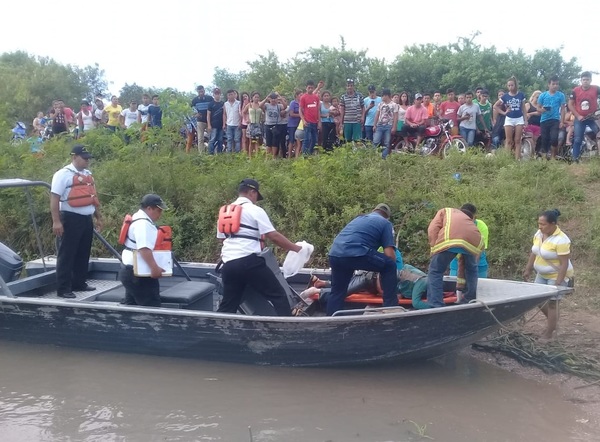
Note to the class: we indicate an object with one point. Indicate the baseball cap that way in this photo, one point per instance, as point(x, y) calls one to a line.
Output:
point(216, 90)
point(153, 200)
point(371, 87)
point(199, 87)
point(384, 208)
point(417, 96)
point(81, 150)
point(252, 184)
point(485, 92)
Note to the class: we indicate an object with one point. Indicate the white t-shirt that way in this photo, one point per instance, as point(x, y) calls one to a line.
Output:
point(472, 110)
point(130, 116)
point(88, 121)
point(143, 232)
point(143, 110)
point(253, 216)
point(61, 185)
point(234, 116)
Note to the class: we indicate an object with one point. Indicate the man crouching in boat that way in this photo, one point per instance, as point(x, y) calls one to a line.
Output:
point(142, 237)
point(452, 231)
point(241, 245)
point(355, 248)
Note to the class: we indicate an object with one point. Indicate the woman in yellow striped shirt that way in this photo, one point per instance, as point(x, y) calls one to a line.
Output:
point(550, 257)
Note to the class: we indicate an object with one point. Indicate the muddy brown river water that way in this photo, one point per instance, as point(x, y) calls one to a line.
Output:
point(57, 394)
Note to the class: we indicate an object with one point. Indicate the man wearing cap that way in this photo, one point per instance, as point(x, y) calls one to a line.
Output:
point(242, 265)
point(371, 103)
point(351, 112)
point(200, 106)
point(355, 248)
point(141, 237)
point(73, 204)
point(415, 120)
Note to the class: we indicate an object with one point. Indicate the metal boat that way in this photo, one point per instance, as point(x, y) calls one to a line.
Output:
point(187, 324)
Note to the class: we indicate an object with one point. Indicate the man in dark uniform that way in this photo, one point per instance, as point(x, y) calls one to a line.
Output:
point(355, 248)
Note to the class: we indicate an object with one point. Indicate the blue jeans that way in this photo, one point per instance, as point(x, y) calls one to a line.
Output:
point(234, 138)
point(383, 132)
point(369, 133)
point(310, 138)
point(578, 133)
point(216, 140)
point(468, 135)
point(435, 278)
point(342, 269)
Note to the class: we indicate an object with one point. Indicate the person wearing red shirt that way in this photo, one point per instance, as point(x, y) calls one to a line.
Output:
point(583, 102)
point(449, 110)
point(310, 113)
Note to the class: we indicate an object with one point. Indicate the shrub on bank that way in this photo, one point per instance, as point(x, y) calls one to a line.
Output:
point(307, 199)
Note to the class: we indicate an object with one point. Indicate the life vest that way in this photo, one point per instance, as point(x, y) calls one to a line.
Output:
point(82, 190)
point(164, 235)
point(229, 223)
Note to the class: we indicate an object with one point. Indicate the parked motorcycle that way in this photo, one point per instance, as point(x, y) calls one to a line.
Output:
point(437, 140)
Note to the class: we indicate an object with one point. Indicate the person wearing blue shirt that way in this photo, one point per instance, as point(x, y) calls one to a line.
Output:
point(369, 110)
point(552, 106)
point(355, 248)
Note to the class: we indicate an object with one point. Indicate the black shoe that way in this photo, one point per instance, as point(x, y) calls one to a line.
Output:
point(69, 295)
point(85, 288)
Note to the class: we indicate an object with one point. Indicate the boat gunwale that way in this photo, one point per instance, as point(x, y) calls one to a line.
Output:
point(166, 311)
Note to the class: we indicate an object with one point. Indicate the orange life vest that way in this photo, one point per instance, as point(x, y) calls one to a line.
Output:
point(229, 223)
point(164, 236)
point(82, 191)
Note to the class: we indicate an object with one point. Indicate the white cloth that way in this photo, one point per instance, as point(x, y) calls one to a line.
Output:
point(234, 116)
point(61, 185)
point(143, 232)
point(130, 116)
point(143, 110)
point(294, 261)
point(253, 216)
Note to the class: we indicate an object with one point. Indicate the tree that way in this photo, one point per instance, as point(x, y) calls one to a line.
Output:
point(29, 84)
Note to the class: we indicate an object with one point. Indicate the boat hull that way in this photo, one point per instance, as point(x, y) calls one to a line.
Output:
point(291, 341)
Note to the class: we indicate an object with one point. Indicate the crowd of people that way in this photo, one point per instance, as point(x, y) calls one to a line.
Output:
point(245, 122)
point(289, 129)
point(61, 119)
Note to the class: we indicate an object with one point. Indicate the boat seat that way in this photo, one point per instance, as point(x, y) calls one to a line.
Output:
point(194, 295)
point(191, 295)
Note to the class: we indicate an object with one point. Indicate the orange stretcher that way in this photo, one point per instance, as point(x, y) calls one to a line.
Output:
point(367, 298)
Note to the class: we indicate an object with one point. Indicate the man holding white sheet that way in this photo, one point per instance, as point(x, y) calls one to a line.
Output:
point(142, 237)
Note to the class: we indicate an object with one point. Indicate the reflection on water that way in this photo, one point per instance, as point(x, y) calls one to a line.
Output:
point(53, 394)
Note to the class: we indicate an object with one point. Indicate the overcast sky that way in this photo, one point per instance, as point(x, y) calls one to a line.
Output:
point(179, 43)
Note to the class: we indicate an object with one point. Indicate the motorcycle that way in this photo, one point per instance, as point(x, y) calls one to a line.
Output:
point(436, 140)
point(589, 144)
point(19, 132)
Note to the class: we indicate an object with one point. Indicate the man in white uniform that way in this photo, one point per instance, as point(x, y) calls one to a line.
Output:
point(242, 265)
point(141, 237)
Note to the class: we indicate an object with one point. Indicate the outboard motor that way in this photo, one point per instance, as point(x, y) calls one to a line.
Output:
point(11, 264)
